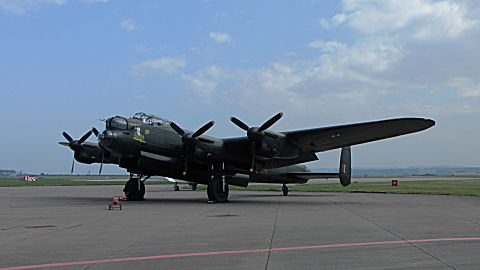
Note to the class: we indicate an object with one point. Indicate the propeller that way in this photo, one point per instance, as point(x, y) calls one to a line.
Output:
point(95, 131)
point(189, 140)
point(255, 134)
point(74, 144)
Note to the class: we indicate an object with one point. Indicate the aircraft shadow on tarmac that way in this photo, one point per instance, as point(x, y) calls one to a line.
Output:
point(236, 198)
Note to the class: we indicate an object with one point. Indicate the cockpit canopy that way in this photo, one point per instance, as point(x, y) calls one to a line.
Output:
point(151, 119)
point(117, 123)
point(121, 123)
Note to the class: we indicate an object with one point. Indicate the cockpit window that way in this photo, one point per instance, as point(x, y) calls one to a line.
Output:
point(117, 123)
point(151, 119)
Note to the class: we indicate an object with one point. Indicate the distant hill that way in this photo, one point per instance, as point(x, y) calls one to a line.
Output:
point(408, 171)
point(7, 172)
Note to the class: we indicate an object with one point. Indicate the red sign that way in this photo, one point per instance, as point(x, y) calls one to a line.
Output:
point(29, 178)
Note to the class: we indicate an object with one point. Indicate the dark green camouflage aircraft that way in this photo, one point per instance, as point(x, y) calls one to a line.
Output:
point(148, 145)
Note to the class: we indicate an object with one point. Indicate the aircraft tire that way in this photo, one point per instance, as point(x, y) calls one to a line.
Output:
point(132, 191)
point(209, 192)
point(285, 190)
point(215, 190)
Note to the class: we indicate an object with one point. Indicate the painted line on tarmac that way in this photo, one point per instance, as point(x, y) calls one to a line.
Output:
point(237, 252)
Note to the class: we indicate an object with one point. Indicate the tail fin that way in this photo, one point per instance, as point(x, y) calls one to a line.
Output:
point(345, 171)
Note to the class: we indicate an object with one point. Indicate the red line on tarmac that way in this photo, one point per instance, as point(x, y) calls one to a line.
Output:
point(236, 252)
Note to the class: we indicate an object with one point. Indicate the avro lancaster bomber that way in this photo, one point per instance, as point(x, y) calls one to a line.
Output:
point(148, 145)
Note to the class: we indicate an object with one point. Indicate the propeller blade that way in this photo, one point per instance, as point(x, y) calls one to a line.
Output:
point(85, 137)
point(69, 139)
point(189, 140)
point(270, 122)
point(185, 159)
point(239, 123)
point(95, 131)
point(101, 164)
point(63, 143)
point(73, 164)
point(203, 129)
point(252, 148)
point(177, 129)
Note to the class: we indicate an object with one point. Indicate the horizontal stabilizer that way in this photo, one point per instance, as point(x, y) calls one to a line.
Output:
point(310, 175)
point(171, 180)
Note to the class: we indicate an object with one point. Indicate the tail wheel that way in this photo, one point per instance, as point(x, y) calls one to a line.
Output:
point(285, 190)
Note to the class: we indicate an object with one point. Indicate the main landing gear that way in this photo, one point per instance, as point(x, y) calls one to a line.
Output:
point(135, 188)
point(217, 189)
point(285, 190)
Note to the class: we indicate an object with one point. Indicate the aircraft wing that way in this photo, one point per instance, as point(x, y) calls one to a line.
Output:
point(328, 138)
point(323, 139)
point(84, 143)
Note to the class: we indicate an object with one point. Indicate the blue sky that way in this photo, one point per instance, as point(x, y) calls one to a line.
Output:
point(65, 64)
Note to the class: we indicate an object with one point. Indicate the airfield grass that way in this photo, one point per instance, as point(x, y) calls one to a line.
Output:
point(74, 180)
point(437, 187)
point(469, 187)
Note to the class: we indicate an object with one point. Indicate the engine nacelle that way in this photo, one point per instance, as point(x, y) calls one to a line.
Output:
point(275, 145)
point(87, 156)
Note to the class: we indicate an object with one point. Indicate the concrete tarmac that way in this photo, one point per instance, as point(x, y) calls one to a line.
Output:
point(257, 230)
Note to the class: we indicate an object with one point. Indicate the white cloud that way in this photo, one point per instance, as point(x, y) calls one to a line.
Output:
point(372, 54)
point(384, 70)
point(129, 24)
point(326, 46)
point(420, 19)
point(471, 92)
point(404, 59)
point(205, 83)
point(20, 7)
point(220, 37)
point(161, 66)
point(141, 48)
point(324, 23)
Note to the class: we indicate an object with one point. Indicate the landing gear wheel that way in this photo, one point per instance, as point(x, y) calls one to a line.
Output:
point(134, 189)
point(194, 186)
point(285, 190)
point(176, 187)
point(216, 191)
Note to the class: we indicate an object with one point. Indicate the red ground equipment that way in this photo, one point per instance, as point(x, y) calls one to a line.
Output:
point(115, 203)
